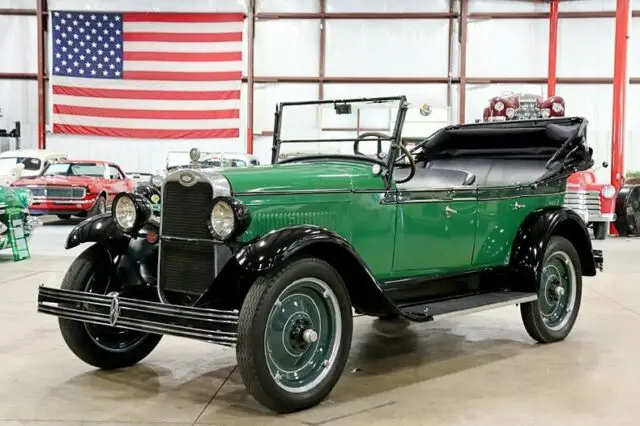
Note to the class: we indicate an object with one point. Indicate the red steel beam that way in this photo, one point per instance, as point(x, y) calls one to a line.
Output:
point(553, 48)
point(462, 28)
point(42, 112)
point(336, 15)
point(251, 27)
point(619, 93)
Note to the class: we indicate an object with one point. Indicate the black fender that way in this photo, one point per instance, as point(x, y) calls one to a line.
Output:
point(100, 229)
point(276, 247)
point(137, 258)
point(533, 237)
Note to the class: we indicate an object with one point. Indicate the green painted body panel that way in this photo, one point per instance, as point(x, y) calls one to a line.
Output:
point(395, 239)
point(356, 216)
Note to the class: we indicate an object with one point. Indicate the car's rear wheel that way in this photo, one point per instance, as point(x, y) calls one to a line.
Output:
point(294, 335)
point(551, 317)
point(101, 346)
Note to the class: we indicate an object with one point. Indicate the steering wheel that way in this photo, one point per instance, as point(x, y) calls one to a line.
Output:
point(412, 163)
point(379, 135)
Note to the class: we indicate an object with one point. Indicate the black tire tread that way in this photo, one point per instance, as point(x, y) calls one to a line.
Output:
point(74, 332)
point(254, 302)
point(530, 312)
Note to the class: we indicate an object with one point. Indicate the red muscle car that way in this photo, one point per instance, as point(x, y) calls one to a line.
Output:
point(76, 188)
point(593, 201)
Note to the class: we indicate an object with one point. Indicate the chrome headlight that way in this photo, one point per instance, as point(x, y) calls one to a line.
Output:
point(229, 218)
point(499, 106)
point(130, 212)
point(557, 107)
point(511, 112)
point(545, 113)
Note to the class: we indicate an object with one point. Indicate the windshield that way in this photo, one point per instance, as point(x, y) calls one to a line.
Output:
point(332, 127)
point(75, 169)
point(8, 163)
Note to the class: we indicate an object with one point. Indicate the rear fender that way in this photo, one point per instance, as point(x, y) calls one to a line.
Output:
point(533, 237)
point(276, 247)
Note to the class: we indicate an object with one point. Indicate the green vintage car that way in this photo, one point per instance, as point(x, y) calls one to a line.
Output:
point(275, 259)
point(16, 224)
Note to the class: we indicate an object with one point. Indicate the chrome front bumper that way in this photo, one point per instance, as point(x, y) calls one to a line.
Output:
point(210, 325)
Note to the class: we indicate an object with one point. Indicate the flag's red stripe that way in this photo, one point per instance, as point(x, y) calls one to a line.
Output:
point(182, 37)
point(147, 133)
point(183, 76)
point(147, 114)
point(182, 17)
point(183, 57)
point(165, 95)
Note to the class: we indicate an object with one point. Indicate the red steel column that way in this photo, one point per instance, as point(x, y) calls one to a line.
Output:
point(552, 75)
point(42, 114)
point(619, 95)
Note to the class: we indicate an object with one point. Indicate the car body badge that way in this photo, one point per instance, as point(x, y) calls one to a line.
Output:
point(155, 198)
point(186, 178)
point(425, 110)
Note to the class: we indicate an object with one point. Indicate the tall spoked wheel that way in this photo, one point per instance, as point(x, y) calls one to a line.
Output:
point(101, 346)
point(600, 230)
point(294, 335)
point(551, 317)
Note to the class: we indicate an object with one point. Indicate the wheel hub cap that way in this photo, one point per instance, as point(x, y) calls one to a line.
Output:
point(557, 291)
point(302, 335)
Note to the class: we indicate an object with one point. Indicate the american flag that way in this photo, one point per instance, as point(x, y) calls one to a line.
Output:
point(147, 75)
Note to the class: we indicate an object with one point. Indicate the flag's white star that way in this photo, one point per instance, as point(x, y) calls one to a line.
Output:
point(100, 66)
point(58, 55)
point(69, 70)
point(117, 73)
point(93, 17)
point(57, 69)
point(93, 72)
point(81, 71)
point(105, 72)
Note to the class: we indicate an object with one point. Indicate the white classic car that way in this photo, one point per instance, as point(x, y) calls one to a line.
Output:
point(25, 163)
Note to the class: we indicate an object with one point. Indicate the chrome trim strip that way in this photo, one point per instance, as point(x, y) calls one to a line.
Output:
point(524, 299)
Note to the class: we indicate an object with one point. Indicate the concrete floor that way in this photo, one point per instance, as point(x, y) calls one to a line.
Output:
point(473, 370)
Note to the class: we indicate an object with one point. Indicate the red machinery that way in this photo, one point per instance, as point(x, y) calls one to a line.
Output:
point(593, 201)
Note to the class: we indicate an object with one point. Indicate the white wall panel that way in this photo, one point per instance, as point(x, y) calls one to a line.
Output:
point(150, 5)
point(477, 96)
point(632, 137)
point(18, 44)
point(386, 6)
point(587, 5)
point(287, 48)
point(19, 102)
point(634, 49)
point(18, 4)
point(144, 155)
point(507, 6)
point(308, 6)
point(594, 102)
point(387, 48)
point(586, 47)
point(507, 48)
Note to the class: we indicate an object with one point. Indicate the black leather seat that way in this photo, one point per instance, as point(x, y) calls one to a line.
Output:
point(434, 178)
point(494, 172)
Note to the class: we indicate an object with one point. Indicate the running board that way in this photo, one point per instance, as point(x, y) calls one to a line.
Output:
point(466, 305)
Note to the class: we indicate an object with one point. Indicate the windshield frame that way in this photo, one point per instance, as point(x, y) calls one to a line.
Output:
point(395, 138)
point(70, 164)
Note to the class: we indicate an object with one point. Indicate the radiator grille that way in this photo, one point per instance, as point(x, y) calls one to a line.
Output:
point(186, 210)
point(186, 266)
point(585, 203)
point(58, 192)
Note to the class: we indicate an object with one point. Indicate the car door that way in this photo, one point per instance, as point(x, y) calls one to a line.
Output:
point(435, 229)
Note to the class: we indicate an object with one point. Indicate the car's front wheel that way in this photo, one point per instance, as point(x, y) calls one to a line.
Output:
point(551, 317)
point(600, 230)
point(294, 335)
point(101, 346)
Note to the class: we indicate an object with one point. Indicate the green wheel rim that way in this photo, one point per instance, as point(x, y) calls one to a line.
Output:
point(557, 297)
point(302, 335)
